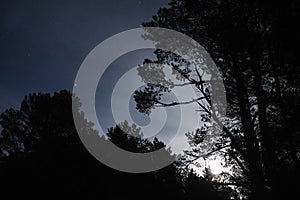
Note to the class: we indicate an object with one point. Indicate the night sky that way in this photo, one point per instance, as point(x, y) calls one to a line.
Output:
point(43, 43)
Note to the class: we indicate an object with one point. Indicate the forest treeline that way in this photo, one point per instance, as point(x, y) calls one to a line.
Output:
point(41, 156)
point(255, 47)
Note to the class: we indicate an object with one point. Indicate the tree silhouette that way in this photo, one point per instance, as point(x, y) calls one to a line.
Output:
point(131, 139)
point(254, 45)
point(41, 154)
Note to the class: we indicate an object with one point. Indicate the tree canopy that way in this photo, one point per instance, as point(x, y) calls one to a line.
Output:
point(255, 46)
point(41, 154)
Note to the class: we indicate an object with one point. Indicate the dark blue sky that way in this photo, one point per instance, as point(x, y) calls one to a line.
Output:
point(42, 43)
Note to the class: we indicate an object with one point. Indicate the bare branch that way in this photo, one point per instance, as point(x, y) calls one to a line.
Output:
point(182, 84)
point(216, 150)
point(161, 104)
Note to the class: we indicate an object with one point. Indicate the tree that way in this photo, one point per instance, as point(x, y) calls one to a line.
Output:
point(41, 150)
point(243, 38)
point(41, 153)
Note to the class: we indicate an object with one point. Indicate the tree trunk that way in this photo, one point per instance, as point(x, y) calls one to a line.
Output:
point(253, 155)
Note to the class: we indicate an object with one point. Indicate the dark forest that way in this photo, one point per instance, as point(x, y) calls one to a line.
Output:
point(254, 45)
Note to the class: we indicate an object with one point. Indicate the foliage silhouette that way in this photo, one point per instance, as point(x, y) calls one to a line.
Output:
point(255, 46)
point(42, 156)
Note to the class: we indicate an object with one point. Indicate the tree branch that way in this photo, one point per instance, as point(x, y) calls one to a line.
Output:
point(161, 104)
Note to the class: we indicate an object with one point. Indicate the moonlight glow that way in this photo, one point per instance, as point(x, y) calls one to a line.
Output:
point(216, 166)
